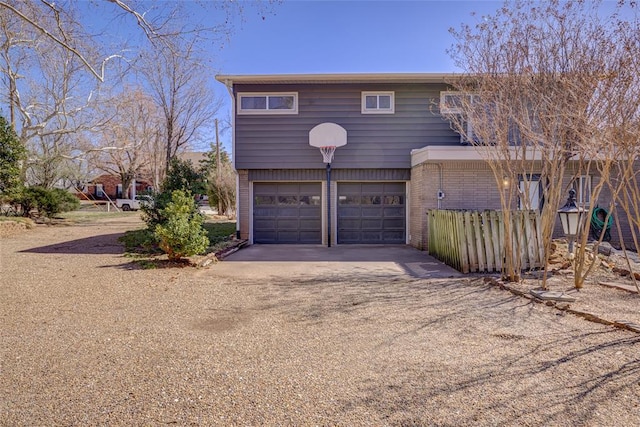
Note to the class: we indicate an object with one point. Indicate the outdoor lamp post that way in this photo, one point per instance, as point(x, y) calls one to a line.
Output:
point(571, 218)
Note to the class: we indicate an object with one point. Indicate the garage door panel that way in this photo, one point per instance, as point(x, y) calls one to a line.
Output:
point(309, 188)
point(266, 189)
point(372, 212)
point(310, 201)
point(265, 212)
point(369, 212)
point(373, 188)
point(288, 200)
point(392, 223)
point(349, 224)
point(264, 200)
point(269, 236)
point(394, 212)
point(391, 200)
point(310, 224)
point(287, 213)
point(286, 224)
point(308, 212)
point(371, 236)
point(350, 237)
point(288, 236)
point(310, 236)
point(266, 224)
point(349, 212)
point(371, 224)
point(393, 237)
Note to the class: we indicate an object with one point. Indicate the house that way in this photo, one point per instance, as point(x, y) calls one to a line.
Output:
point(401, 158)
point(108, 186)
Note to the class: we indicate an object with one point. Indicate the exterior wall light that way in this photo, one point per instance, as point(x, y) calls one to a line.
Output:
point(571, 217)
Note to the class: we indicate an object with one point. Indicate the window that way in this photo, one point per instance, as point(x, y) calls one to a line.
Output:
point(530, 192)
point(268, 103)
point(468, 136)
point(450, 102)
point(454, 102)
point(583, 191)
point(378, 103)
point(99, 191)
point(452, 106)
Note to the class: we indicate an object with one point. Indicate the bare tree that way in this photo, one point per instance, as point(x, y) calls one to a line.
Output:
point(530, 75)
point(179, 83)
point(55, 22)
point(616, 109)
point(54, 65)
point(126, 141)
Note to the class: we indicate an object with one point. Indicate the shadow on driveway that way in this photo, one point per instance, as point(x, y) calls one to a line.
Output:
point(380, 260)
point(101, 244)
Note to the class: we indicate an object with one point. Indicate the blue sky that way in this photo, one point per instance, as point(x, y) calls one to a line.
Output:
point(346, 36)
point(318, 36)
point(349, 36)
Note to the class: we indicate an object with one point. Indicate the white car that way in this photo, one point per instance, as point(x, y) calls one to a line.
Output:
point(133, 204)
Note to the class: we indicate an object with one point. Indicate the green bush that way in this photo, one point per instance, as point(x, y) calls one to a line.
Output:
point(63, 201)
point(140, 241)
point(219, 231)
point(153, 213)
point(182, 175)
point(48, 202)
point(182, 233)
point(23, 201)
point(12, 156)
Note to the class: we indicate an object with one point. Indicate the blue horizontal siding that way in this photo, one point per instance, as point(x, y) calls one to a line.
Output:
point(373, 140)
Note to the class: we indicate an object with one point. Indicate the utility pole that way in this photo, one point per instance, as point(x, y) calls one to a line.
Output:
point(218, 171)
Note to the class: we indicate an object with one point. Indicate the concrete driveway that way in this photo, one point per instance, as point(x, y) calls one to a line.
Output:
point(345, 260)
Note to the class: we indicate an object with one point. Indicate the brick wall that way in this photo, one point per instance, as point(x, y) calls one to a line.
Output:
point(466, 185)
point(471, 185)
point(243, 198)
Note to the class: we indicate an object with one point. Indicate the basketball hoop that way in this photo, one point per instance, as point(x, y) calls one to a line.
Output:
point(326, 137)
point(327, 153)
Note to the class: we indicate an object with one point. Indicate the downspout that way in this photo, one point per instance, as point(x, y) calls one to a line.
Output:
point(229, 85)
point(440, 193)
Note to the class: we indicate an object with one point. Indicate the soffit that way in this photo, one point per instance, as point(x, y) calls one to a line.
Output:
point(336, 78)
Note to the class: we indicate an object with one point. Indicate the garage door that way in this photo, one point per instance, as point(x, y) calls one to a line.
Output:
point(287, 213)
point(371, 212)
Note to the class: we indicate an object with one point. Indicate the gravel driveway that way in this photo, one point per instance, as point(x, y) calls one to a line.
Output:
point(89, 339)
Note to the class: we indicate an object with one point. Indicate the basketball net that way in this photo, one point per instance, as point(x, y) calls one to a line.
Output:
point(327, 153)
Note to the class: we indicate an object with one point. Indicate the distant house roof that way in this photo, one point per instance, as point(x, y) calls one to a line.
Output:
point(337, 78)
point(193, 156)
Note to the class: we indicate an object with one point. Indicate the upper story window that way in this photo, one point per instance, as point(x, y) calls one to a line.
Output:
point(378, 103)
point(451, 102)
point(268, 103)
point(455, 102)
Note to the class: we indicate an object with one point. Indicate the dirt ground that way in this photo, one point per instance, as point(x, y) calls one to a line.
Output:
point(90, 338)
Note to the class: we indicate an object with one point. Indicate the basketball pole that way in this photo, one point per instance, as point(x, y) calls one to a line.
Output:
point(329, 204)
point(327, 137)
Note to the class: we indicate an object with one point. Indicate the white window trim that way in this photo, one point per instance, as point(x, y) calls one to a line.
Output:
point(447, 110)
point(241, 111)
point(583, 191)
point(390, 110)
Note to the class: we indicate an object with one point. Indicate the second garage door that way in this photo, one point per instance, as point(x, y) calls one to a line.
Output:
point(372, 212)
point(287, 212)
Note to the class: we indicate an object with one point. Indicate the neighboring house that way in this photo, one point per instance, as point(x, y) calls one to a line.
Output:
point(401, 159)
point(109, 186)
point(195, 157)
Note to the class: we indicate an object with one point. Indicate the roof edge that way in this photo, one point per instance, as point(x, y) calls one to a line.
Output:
point(336, 78)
